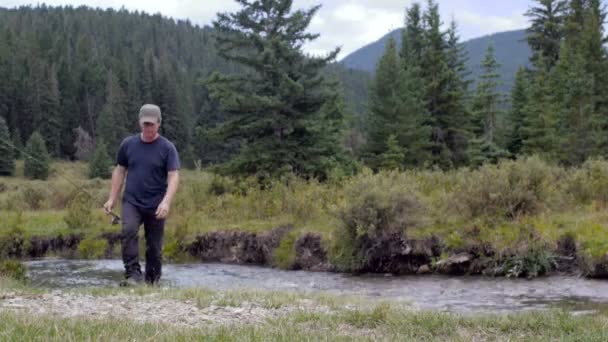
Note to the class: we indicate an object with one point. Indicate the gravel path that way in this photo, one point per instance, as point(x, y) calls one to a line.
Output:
point(145, 309)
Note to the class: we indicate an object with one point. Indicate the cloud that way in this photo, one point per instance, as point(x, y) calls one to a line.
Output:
point(491, 23)
point(351, 25)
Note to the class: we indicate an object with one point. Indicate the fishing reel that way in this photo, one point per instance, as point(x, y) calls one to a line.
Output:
point(115, 218)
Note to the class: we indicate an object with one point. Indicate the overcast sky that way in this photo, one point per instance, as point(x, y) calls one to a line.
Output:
point(349, 24)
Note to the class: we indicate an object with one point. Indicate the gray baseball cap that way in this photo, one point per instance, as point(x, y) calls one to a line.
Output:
point(150, 113)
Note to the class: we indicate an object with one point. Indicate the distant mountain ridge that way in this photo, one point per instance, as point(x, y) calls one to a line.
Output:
point(512, 51)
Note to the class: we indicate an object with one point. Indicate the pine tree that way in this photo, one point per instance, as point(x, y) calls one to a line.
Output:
point(7, 161)
point(486, 109)
point(579, 85)
point(444, 95)
point(384, 104)
point(458, 91)
point(393, 157)
point(396, 109)
point(100, 164)
point(17, 143)
point(37, 158)
point(111, 122)
point(50, 121)
point(547, 30)
point(273, 105)
point(519, 101)
point(541, 121)
point(412, 41)
point(175, 125)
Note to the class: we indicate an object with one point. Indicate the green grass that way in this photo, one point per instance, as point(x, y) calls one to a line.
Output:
point(462, 207)
point(314, 317)
point(381, 323)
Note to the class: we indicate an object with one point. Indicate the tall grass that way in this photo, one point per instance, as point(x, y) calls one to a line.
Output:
point(495, 204)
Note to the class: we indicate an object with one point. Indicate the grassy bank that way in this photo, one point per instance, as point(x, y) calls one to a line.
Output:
point(288, 317)
point(515, 208)
point(370, 326)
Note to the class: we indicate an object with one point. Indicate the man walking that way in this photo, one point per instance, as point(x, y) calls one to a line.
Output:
point(151, 164)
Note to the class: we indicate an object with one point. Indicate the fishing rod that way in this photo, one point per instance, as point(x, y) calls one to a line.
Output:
point(115, 218)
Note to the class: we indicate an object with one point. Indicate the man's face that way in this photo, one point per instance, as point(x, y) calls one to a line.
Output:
point(149, 129)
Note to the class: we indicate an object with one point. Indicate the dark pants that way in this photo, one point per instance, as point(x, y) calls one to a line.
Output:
point(132, 218)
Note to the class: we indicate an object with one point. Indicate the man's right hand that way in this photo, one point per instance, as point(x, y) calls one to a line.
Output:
point(108, 206)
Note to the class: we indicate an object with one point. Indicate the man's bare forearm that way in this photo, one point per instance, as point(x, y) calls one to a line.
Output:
point(172, 185)
point(118, 176)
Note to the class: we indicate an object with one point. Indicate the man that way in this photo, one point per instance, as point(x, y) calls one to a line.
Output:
point(151, 164)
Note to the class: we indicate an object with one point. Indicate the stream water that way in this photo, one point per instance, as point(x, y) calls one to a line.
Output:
point(453, 294)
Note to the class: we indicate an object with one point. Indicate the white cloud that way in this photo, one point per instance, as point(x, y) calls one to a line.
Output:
point(491, 23)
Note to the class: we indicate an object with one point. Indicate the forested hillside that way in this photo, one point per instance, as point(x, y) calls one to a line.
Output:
point(64, 68)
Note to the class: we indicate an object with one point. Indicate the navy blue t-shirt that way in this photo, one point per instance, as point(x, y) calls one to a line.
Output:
point(147, 165)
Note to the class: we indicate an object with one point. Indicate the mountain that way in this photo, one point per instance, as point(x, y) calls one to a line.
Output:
point(512, 51)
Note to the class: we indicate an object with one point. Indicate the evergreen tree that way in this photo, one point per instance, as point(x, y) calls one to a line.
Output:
point(458, 91)
point(519, 101)
point(486, 108)
point(100, 165)
point(111, 122)
point(444, 96)
point(17, 143)
point(412, 41)
point(37, 158)
point(580, 84)
point(396, 110)
point(393, 157)
point(273, 107)
point(50, 121)
point(547, 30)
point(7, 161)
point(541, 122)
point(384, 104)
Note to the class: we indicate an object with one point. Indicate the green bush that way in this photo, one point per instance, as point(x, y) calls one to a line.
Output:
point(13, 269)
point(92, 248)
point(13, 241)
point(375, 206)
point(589, 182)
point(284, 256)
point(507, 190)
point(7, 158)
point(221, 185)
point(37, 158)
point(33, 196)
point(176, 240)
point(79, 212)
point(100, 165)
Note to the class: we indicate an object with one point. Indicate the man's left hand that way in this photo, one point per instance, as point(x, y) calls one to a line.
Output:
point(162, 211)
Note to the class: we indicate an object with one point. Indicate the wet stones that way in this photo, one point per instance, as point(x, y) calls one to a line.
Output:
point(455, 264)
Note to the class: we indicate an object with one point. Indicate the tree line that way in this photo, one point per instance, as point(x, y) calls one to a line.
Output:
point(243, 98)
point(423, 111)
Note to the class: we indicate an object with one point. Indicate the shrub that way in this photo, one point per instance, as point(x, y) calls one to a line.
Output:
point(284, 255)
point(7, 161)
point(13, 269)
point(79, 212)
point(37, 158)
point(590, 182)
point(14, 242)
point(33, 196)
point(176, 240)
point(507, 190)
point(100, 165)
point(92, 248)
point(375, 206)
